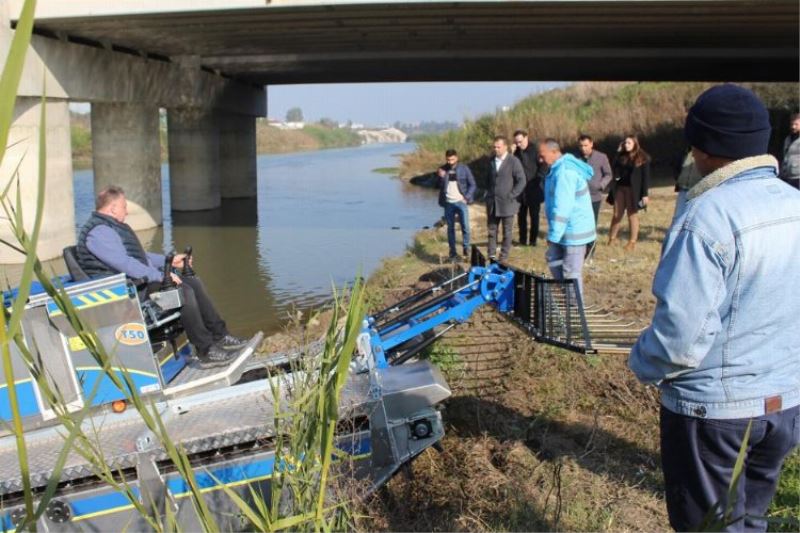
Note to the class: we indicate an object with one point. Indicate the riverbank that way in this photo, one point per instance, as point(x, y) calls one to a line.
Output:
point(537, 438)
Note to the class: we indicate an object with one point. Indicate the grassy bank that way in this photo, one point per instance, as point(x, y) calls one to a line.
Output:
point(607, 111)
point(269, 140)
point(538, 438)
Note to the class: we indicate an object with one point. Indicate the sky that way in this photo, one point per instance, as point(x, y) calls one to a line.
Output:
point(384, 103)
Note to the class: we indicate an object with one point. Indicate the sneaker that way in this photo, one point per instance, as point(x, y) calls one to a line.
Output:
point(214, 357)
point(229, 342)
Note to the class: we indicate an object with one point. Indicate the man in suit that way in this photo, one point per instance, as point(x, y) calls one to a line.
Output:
point(506, 183)
point(532, 197)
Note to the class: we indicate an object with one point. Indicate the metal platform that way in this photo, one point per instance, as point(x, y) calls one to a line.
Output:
point(193, 378)
point(207, 421)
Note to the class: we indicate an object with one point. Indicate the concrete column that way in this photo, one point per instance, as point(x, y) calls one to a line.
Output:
point(58, 224)
point(237, 155)
point(126, 151)
point(193, 138)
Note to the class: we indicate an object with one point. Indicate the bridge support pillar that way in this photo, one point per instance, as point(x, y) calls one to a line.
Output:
point(126, 150)
point(22, 156)
point(237, 155)
point(194, 177)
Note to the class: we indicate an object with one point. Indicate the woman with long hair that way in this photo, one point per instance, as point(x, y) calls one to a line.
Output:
point(629, 189)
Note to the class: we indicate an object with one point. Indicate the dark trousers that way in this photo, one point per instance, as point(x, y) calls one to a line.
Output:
point(596, 210)
point(526, 211)
point(199, 317)
point(698, 457)
point(508, 226)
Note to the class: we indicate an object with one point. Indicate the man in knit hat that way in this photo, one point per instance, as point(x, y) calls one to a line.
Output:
point(723, 344)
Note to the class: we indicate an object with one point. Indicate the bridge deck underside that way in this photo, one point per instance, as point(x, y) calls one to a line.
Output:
point(290, 42)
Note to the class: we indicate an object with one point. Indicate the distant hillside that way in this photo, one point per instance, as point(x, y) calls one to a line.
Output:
point(269, 140)
point(606, 111)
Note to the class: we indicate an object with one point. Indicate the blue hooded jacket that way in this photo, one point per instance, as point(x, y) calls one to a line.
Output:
point(567, 203)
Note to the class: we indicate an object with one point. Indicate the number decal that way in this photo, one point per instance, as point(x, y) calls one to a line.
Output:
point(131, 334)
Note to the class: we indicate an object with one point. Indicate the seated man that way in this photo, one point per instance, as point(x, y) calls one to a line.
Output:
point(106, 246)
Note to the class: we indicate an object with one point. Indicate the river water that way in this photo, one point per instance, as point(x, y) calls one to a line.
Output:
point(319, 219)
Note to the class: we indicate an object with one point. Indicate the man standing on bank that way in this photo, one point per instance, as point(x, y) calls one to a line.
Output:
point(107, 246)
point(723, 343)
point(456, 191)
point(568, 207)
point(790, 164)
point(506, 183)
point(601, 177)
point(532, 197)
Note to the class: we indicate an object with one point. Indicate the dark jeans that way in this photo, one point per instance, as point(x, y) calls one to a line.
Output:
point(508, 226)
point(199, 318)
point(526, 211)
point(452, 211)
point(596, 209)
point(698, 456)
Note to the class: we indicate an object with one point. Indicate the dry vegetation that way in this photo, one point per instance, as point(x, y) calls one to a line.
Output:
point(607, 111)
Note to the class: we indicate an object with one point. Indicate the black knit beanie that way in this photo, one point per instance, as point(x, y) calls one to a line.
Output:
point(728, 121)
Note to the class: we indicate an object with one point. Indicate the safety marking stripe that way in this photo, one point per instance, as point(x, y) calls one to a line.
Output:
point(91, 299)
point(17, 382)
point(170, 354)
point(115, 369)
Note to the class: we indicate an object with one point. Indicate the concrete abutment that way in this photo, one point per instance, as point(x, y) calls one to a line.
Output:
point(21, 162)
point(237, 155)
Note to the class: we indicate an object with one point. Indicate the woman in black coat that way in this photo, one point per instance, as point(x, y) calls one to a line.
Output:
point(629, 189)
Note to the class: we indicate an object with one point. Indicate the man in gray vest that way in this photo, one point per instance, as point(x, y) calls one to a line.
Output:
point(107, 246)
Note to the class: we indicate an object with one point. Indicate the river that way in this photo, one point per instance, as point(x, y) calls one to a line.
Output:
point(319, 219)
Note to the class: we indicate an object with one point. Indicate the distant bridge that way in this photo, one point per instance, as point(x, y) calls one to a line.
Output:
point(207, 63)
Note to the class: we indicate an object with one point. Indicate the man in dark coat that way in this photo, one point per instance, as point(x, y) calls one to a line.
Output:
point(532, 197)
point(506, 183)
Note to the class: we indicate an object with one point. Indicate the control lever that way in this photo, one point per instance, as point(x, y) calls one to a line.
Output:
point(167, 282)
point(188, 271)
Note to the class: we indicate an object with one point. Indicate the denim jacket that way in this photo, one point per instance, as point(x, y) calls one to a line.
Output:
point(466, 184)
point(724, 338)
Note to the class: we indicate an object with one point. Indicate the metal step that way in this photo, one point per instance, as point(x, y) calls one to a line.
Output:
point(193, 378)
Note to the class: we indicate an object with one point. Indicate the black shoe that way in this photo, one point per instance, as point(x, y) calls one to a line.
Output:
point(229, 342)
point(466, 252)
point(214, 357)
point(453, 255)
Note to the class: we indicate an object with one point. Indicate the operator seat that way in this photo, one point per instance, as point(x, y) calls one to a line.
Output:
point(161, 324)
point(73, 267)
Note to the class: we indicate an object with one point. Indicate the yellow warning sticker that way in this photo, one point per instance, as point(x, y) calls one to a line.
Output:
point(131, 334)
point(76, 344)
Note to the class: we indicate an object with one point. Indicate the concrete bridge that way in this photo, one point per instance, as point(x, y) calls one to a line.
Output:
point(207, 64)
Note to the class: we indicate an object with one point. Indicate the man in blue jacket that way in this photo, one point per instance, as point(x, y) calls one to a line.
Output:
point(568, 207)
point(456, 191)
point(723, 344)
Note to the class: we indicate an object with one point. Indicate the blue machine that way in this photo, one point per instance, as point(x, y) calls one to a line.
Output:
point(402, 331)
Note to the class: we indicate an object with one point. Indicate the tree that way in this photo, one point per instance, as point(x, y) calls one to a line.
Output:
point(295, 114)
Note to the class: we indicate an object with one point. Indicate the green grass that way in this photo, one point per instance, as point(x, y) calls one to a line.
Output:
point(443, 356)
point(387, 170)
point(786, 503)
point(332, 137)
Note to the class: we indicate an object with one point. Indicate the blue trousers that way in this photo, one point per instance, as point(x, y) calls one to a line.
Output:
point(698, 457)
point(451, 212)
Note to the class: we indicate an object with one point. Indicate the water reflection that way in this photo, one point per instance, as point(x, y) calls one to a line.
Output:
point(318, 220)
